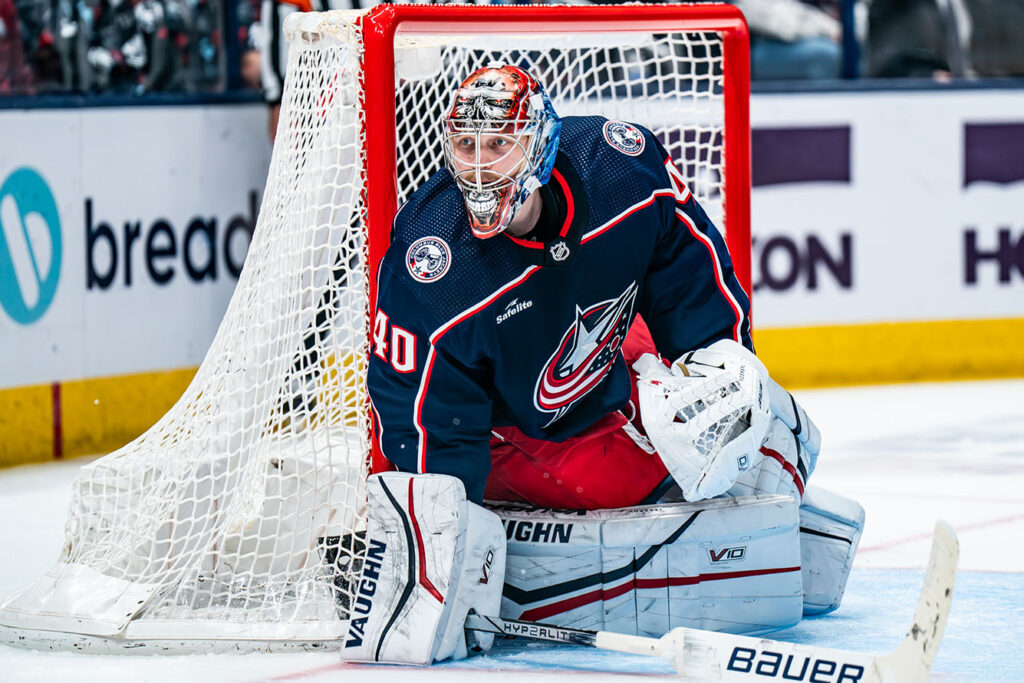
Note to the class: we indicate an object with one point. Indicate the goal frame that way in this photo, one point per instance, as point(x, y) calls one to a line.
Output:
point(385, 22)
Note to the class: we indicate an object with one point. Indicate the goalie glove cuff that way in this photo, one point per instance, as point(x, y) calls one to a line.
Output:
point(431, 557)
point(790, 450)
point(790, 413)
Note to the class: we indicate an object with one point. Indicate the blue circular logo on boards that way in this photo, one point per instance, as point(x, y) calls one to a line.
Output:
point(30, 246)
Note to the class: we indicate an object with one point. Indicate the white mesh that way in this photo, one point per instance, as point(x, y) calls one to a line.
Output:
point(670, 83)
point(224, 503)
point(227, 515)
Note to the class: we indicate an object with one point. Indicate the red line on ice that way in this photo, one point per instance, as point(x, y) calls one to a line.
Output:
point(960, 528)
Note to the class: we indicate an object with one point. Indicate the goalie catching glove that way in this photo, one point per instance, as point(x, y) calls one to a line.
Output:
point(714, 416)
point(432, 557)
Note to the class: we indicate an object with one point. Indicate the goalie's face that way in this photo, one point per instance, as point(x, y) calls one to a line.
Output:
point(488, 160)
point(486, 167)
point(500, 139)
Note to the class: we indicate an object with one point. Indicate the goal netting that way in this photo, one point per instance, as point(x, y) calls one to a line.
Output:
point(235, 517)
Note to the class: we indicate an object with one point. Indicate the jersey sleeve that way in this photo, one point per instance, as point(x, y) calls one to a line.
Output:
point(431, 403)
point(692, 297)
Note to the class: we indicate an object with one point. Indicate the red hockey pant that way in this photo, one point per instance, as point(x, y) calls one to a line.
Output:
point(602, 467)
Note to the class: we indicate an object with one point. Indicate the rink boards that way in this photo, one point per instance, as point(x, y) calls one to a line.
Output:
point(888, 247)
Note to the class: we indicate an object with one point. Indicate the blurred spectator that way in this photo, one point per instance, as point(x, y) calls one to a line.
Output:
point(137, 46)
point(117, 53)
point(916, 39)
point(37, 19)
point(112, 46)
point(205, 45)
point(68, 42)
point(996, 37)
point(250, 41)
point(250, 69)
point(247, 14)
point(793, 39)
point(14, 70)
point(161, 34)
point(945, 38)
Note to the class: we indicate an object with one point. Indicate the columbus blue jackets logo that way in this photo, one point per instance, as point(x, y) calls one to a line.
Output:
point(624, 137)
point(585, 353)
point(428, 259)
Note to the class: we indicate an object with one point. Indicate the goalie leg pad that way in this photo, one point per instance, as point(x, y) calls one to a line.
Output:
point(431, 557)
point(728, 564)
point(830, 529)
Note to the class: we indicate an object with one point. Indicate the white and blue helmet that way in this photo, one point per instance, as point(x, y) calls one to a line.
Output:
point(500, 140)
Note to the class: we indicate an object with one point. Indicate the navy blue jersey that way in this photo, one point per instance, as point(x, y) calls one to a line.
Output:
point(472, 334)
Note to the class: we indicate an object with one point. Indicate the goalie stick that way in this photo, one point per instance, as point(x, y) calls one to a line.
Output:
point(710, 655)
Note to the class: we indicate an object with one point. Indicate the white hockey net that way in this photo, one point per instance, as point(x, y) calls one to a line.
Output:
point(234, 516)
point(668, 82)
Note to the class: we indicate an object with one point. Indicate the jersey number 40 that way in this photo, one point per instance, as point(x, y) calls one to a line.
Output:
point(402, 344)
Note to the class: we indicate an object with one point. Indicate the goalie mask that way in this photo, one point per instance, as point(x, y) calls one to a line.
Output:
point(500, 141)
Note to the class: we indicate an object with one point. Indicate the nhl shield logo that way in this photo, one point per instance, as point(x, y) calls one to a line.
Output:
point(428, 259)
point(624, 137)
point(559, 251)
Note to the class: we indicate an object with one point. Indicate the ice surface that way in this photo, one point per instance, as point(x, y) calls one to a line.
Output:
point(909, 453)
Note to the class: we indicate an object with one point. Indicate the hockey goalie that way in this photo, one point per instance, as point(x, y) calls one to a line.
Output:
point(559, 332)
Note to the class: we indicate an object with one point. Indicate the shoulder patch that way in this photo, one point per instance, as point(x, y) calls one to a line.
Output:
point(428, 259)
point(624, 137)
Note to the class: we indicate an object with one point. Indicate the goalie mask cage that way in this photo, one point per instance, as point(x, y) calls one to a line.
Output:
point(231, 521)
